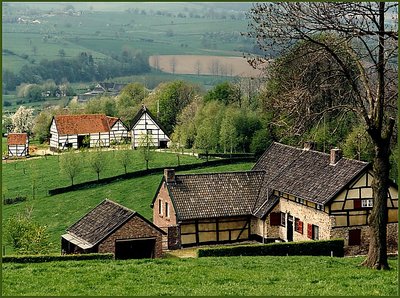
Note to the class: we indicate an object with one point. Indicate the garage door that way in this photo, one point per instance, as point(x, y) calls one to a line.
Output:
point(135, 248)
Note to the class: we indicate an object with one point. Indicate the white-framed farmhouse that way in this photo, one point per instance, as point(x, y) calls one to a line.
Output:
point(18, 144)
point(87, 130)
point(145, 123)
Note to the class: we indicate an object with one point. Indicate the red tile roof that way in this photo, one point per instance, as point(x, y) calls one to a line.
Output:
point(112, 120)
point(17, 138)
point(81, 124)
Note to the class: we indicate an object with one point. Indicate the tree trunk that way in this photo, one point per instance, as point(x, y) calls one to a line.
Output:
point(98, 176)
point(147, 164)
point(377, 253)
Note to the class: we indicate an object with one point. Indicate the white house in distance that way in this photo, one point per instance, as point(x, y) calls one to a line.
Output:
point(87, 130)
point(18, 144)
point(145, 123)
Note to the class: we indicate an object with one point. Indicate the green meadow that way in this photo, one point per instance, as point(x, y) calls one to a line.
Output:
point(239, 276)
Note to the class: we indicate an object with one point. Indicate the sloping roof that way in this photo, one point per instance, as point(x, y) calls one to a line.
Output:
point(215, 195)
point(17, 138)
point(306, 174)
point(100, 222)
point(139, 115)
point(81, 124)
point(112, 121)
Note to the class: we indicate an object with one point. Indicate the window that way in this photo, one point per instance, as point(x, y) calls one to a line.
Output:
point(313, 232)
point(367, 203)
point(275, 218)
point(160, 207)
point(300, 201)
point(298, 225)
point(149, 131)
point(355, 237)
point(283, 219)
point(166, 209)
point(319, 207)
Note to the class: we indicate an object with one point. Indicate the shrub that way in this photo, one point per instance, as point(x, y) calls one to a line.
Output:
point(9, 201)
point(52, 258)
point(305, 248)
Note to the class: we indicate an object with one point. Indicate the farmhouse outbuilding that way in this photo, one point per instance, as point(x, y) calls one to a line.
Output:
point(145, 123)
point(291, 194)
point(18, 144)
point(86, 130)
point(113, 228)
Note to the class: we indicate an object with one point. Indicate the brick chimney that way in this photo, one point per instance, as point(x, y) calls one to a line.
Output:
point(169, 175)
point(336, 155)
point(309, 146)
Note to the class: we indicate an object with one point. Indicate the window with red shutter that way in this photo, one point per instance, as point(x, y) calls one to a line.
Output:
point(309, 231)
point(300, 227)
point(357, 204)
point(355, 237)
point(275, 218)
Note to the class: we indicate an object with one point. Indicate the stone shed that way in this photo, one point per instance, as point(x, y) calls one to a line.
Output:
point(113, 228)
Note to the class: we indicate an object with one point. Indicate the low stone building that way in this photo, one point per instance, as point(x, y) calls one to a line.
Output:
point(291, 194)
point(18, 144)
point(112, 228)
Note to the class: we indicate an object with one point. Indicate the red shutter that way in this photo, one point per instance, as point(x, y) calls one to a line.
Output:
point(355, 237)
point(357, 204)
point(309, 231)
point(275, 219)
point(300, 227)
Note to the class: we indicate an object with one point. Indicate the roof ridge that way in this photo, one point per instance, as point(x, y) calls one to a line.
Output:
point(119, 205)
point(215, 173)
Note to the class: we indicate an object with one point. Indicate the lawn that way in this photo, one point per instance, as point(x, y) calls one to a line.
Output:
point(266, 276)
point(58, 212)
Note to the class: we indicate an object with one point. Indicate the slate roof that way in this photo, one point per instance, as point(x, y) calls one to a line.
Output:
point(100, 222)
point(215, 195)
point(17, 138)
point(306, 174)
point(81, 124)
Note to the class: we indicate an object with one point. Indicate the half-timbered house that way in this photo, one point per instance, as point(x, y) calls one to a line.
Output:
point(113, 228)
point(88, 130)
point(18, 144)
point(291, 194)
point(144, 123)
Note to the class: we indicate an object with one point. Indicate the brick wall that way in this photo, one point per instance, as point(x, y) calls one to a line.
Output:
point(134, 228)
point(160, 220)
point(392, 236)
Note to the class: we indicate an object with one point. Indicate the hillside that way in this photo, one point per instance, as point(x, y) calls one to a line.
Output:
point(254, 276)
point(60, 211)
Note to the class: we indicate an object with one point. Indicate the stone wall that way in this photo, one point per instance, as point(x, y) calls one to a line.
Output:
point(392, 239)
point(134, 228)
point(160, 220)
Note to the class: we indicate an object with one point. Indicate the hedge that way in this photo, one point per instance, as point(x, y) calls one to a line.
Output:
point(304, 248)
point(141, 173)
point(227, 155)
point(52, 258)
point(10, 201)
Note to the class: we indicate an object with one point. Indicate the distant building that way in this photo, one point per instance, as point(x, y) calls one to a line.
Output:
point(110, 89)
point(113, 228)
point(87, 130)
point(146, 123)
point(18, 144)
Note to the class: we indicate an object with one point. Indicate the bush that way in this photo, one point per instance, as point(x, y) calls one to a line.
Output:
point(10, 201)
point(53, 258)
point(304, 248)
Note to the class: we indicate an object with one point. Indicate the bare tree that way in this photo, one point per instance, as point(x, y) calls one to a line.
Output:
point(172, 63)
point(367, 32)
point(197, 67)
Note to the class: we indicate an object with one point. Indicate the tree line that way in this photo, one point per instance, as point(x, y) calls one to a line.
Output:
point(82, 68)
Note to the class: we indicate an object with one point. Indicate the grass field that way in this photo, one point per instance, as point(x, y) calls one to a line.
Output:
point(250, 276)
point(60, 211)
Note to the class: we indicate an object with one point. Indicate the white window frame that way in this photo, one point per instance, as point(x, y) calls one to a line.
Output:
point(166, 209)
point(367, 203)
point(160, 209)
point(283, 219)
point(319, 207)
